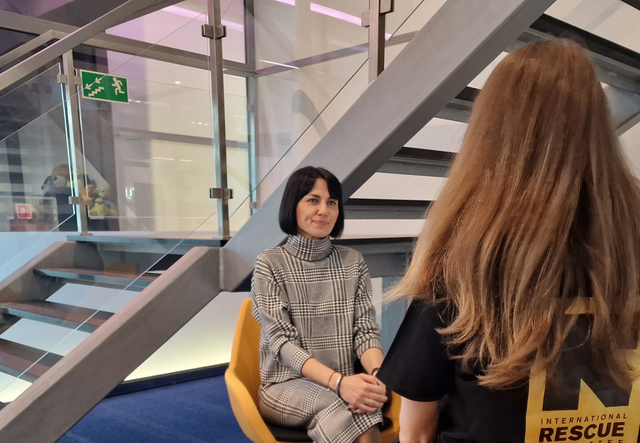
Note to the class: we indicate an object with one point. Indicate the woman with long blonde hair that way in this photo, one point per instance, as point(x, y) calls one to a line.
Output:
point(525, 280)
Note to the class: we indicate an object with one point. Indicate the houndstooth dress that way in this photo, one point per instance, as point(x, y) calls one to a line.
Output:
point(312, 299)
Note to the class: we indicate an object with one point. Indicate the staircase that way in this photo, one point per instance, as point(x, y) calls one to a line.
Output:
point(167, 282)
point(47, 296)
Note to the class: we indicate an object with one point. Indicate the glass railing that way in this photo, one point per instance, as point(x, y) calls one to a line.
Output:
point(146, 171)
point(148, 165)
point(68, 12)
point(80, 286)
point(143, 161)
point(159, 152)
point(305, 55)
point(161, 142)
point(35, 178)
point(35, 213)
point(300, 97)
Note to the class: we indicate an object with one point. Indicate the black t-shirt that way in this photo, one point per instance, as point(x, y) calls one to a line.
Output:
point(580, 408)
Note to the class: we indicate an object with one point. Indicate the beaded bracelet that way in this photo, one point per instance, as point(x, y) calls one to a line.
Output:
point(329, 381)
point(338, 385)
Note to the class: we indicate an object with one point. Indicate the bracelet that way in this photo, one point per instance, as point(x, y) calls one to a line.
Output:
point(338, 385)
point(329, 381)
point(374, 371)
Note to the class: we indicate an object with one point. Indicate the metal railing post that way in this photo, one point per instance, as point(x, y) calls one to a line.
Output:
point(252, 97)
point(77, 37)
point(74, 139)
point(374, 19)
point(215, 31)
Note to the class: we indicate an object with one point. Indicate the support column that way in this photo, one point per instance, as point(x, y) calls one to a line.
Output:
point(74, 140)
point(252, 101)
point(374, 19)
point(215, 31)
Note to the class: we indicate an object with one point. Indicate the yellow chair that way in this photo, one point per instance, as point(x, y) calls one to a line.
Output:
point(243, 380)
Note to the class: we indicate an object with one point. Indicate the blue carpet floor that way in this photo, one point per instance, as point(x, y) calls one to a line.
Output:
point(192, 412)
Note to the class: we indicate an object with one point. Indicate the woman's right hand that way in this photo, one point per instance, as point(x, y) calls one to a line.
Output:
point(363, 393)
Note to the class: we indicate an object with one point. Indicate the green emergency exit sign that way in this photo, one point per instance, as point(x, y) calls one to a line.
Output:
point(99, 86)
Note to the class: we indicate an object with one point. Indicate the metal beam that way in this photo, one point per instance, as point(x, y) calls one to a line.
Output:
point(218, 32)
point(375, 20)
point(75, 151)
point(460, 40)
point(26, 48)
point(31, 25)
point(72, 40)
point(625, 108)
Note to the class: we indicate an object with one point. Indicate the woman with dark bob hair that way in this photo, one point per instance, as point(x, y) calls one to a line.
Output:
point(525, 281)
point(313, 301)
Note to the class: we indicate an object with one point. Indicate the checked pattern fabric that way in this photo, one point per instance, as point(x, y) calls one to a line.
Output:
point(312, 299)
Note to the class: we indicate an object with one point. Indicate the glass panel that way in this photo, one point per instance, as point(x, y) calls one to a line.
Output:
point(176, 26)
point(20, 105)
point(163, 154)
point(179, 26)
point(82, 284)
point(148, 165)
point(159, 145)
point(70, 12)
point(233, 18)
point(310, 59)
point(34, 171)
point(408, 12)
point(288, 32)
point(184, 351)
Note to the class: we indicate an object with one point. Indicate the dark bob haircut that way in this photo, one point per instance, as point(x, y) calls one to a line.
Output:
point(300, 184)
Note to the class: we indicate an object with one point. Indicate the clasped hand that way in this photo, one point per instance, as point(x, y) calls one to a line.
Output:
point(364, 393)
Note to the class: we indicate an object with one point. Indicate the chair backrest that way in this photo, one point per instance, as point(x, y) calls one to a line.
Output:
point(245, 353)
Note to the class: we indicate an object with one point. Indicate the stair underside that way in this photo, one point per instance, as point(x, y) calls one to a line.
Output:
point(379, 209)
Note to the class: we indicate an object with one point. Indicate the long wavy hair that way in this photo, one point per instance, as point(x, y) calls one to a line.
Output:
point(539, 208)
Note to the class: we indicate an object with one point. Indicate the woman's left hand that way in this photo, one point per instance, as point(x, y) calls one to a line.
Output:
point(360, 411)
point(364, 393)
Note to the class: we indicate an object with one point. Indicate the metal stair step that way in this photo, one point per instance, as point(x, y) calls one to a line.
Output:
point(112, 279)
point(459, 109)
point(24, 361)
point(379, 209)
point(87, 320)
point(415, 161)
point(607, 55)
point(174, 246)
point(618, 65)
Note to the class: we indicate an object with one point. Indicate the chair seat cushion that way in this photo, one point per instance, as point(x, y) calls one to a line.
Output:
point(300, 434)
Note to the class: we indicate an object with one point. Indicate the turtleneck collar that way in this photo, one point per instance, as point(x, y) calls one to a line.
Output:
point(307, 249)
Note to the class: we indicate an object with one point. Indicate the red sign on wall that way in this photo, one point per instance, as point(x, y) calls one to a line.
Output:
point(24, 211)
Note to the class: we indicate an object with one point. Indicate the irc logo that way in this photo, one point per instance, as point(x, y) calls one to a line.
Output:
point(584, 409)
